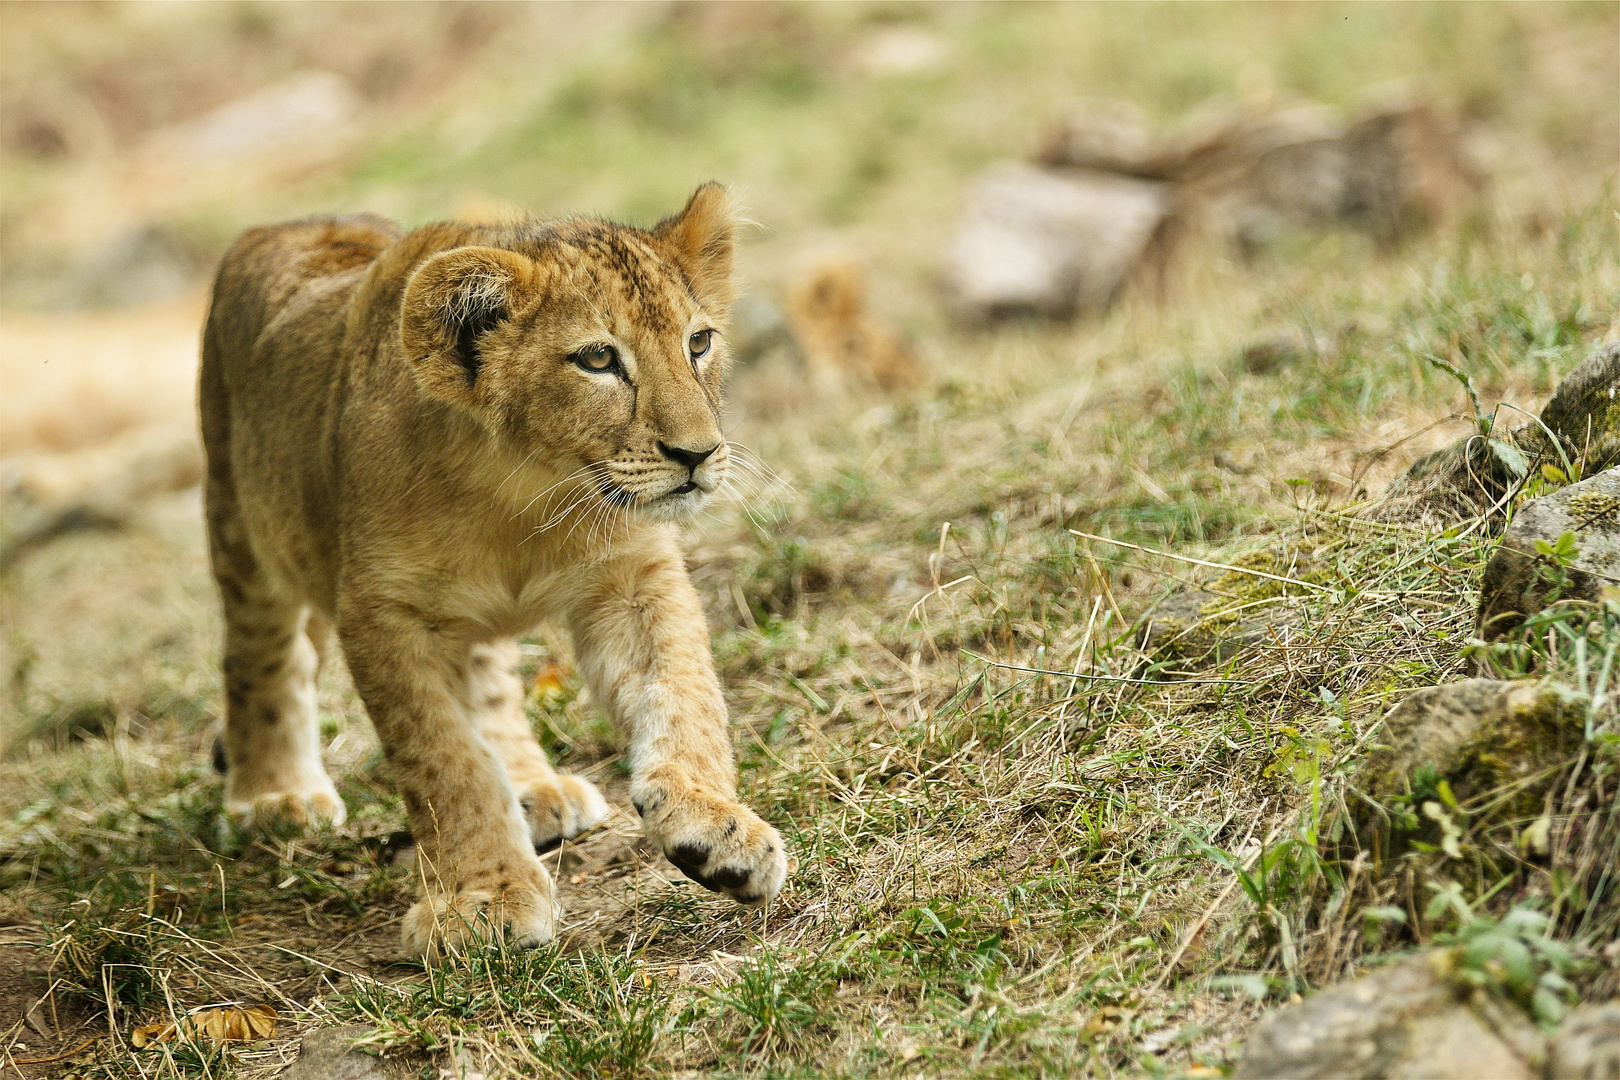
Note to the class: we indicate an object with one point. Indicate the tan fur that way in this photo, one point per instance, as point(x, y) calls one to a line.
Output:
point(402, 447)
point(843, 346)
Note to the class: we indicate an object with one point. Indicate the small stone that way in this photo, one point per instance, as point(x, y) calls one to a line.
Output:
point(329, 1054)
point(1188, 626)
point(1519, 581)
point(1584, 411)
point(1587, 1046)
point(1283, 349)
point(1197, 628)
point(1175, 617)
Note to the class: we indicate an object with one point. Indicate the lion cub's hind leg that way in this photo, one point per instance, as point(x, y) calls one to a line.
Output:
point(272, 740)
point(557, 806)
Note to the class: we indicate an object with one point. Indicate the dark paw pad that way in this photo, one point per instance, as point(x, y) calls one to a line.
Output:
point(690, 858)
point(727, 877)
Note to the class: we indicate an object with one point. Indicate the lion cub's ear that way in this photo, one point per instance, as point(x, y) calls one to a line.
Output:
point(451, 302)
point(702, 237)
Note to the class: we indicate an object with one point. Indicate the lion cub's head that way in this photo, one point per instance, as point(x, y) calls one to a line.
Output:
point(588, 348)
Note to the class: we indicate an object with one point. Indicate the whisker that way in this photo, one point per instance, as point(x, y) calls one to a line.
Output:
point(526, 459)
point(559, 483)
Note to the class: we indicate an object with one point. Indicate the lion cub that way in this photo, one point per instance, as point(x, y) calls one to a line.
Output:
point(427, 443)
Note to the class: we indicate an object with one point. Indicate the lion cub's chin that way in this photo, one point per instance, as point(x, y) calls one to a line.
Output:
point(672, 507)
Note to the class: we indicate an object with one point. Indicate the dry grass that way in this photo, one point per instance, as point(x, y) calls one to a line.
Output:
point(1110, 871)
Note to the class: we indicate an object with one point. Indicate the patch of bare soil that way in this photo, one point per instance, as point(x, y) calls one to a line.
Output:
point(39, 1034)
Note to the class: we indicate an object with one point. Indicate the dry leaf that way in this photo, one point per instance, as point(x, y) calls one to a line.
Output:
point(147, 1034)
point(549, 681)
point(224, 1023)
point(1102, 1021)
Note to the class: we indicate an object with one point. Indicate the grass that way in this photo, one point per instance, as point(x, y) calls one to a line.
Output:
point(1108, 871)
point(999, 871)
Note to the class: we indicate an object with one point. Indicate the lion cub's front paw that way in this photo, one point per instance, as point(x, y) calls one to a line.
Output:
point(304, 804)
point(520, 905)
point(559, 808)
point(720, 844)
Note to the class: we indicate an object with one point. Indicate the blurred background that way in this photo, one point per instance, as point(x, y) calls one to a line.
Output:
point(943, 195)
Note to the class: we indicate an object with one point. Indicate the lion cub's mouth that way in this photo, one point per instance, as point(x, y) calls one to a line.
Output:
point(677, 502)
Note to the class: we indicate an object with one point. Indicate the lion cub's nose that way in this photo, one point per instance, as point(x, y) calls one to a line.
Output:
point(689, 458)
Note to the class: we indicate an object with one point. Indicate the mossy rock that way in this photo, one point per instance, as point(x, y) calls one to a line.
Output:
point(1483, 738)
point(1585, 410)
point(1519, 581)
point(1587, 1043)
point(1193, 629)
point(1467, 479)
point(1470, 477)
point(1404, 1020)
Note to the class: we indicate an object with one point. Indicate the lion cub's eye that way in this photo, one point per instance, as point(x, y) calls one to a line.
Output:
point(699, 343)
point(597, 358)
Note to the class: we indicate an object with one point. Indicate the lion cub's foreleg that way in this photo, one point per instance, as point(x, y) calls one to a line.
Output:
point(557, 806)
point(476, 864)
point(643, 644)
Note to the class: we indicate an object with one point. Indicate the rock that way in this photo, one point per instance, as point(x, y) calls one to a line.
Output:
point(1404, 1021)
point(308, 110)
point(1392, 170)
point(1478, 735)
point(1061, 239)
point(1471, 477)
point(1191, 628)
point(1467, 479)
point(1281, 349)
point(1250, 177)
point(1519, 581)
point(1405, 169)
point(329, 1054)
point(1050, 243)
point(142, 265)
point(1585, 410)
point(1587, 1045)
point(900, 50)
point(1111, 136)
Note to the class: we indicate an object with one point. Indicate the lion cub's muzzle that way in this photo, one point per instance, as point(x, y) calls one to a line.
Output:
point(690, 460)
point(675, 487)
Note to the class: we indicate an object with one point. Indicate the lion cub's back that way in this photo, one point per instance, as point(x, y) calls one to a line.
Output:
point(269, 367)
point(270, 265)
